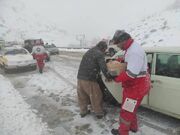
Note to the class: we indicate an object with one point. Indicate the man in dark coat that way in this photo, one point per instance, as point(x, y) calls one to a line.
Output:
point(88, 89)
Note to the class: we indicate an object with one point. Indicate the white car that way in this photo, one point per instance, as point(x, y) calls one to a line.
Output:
point(16, 58)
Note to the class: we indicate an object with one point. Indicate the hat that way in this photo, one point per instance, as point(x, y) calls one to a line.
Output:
point(119, 36)
point(102, 45)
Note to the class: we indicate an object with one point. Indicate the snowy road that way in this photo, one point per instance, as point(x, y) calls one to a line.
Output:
point(52, 96)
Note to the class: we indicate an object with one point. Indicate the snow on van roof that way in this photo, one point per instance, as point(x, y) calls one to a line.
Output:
point(173, 49)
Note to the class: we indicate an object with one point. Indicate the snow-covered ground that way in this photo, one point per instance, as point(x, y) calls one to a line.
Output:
point(17, 118)
point(40, 104)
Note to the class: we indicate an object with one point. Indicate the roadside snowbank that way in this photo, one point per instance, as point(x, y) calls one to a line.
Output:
point(73, 50)
point(16, 117)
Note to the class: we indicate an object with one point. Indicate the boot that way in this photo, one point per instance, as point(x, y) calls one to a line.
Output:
point(133, 130)
point(84, 114)
point(40, 71)
point(115, 131)
point(101, 115)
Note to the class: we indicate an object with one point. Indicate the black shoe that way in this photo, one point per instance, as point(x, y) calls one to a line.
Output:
point(84, 114)
point(99, 116)
point(105, 112)
point(40, 71)
point(115, 131)
point(133, 130)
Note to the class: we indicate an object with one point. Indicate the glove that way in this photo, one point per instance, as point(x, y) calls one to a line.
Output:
point(110, 76)
point(113, 76)
point(108, 60)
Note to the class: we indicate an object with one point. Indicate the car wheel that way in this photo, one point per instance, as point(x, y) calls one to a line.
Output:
point(34, 67)
point(1, 66)
point(6, 71)
point(48, 59)
point(107, 96)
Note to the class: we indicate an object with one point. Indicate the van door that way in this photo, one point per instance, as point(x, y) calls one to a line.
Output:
point(150, 63)
point(165, 94)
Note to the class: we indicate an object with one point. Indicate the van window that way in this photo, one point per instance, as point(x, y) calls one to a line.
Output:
point(168, 65)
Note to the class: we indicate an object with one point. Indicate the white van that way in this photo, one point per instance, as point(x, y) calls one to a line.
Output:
point(164, 96)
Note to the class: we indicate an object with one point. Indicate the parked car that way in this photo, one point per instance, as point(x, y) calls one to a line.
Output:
point(52, 49)
point(164, 68)
point(29, 43)
point(16, 58)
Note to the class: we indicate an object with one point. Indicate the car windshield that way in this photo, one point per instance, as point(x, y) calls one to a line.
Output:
point(52, 45)
point(47, 46)
point(15, 51)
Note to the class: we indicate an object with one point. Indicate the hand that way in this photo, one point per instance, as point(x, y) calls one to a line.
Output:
point(113, 76)
point(108, 80)
point(110, 76)
point(108, 60)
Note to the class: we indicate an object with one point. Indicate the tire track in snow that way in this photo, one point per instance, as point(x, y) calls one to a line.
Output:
point(63, 78)
point(72, 62)
point(156, 127)
point(67, 64)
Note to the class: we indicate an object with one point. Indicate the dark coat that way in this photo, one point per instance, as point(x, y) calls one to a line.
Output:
point(91, 64)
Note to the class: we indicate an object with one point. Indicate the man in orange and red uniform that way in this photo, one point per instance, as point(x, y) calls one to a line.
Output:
point(135, 82)
point(39, 53)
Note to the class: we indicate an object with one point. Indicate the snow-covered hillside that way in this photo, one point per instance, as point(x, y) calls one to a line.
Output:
point(17, 23)
point(159, 29)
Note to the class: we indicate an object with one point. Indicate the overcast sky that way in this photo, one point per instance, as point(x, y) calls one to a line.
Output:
point(94, 17)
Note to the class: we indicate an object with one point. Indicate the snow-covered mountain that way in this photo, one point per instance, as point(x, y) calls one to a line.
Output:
point(17, 23)
point(158, 29)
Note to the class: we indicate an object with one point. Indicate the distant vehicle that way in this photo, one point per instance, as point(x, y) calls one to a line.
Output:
point(164, 68)
point(29, 43)
point(16, 58)
point(2, 44)
point(51, 48)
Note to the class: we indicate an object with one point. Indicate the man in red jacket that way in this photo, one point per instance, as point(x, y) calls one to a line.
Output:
point(135, 82)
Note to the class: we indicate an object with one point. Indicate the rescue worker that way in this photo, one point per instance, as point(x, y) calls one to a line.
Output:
point(88, 89)
point(135, 82)
point(39, 53)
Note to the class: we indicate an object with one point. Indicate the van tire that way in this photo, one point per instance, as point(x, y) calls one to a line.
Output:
point(107, 96)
